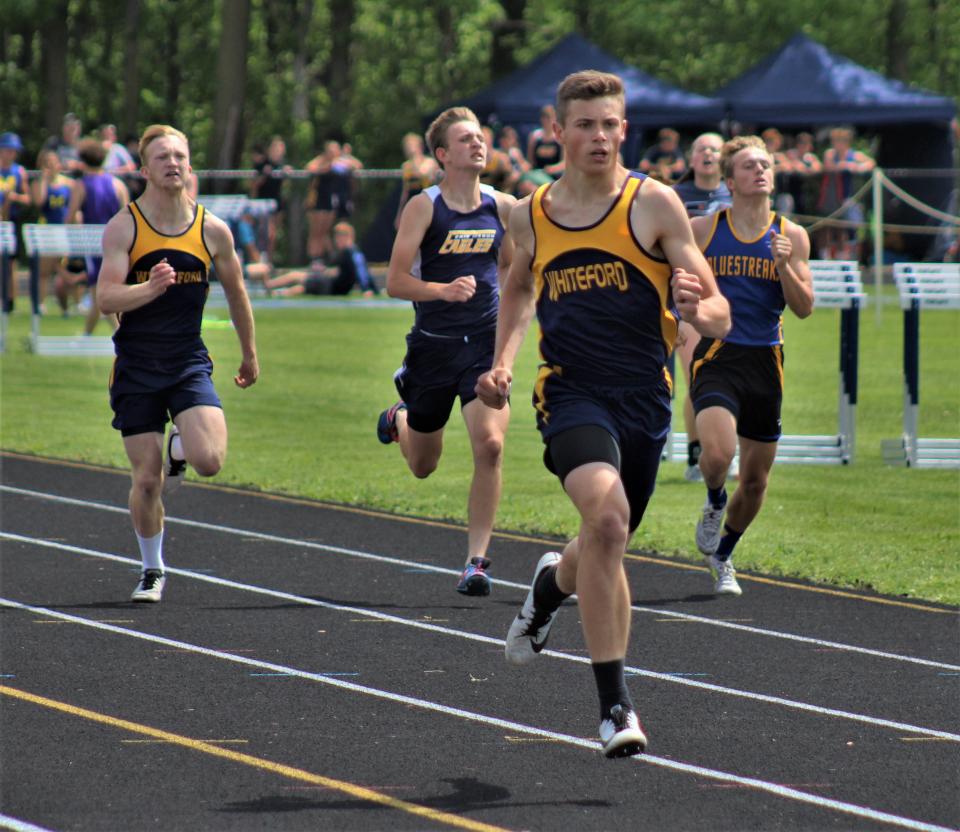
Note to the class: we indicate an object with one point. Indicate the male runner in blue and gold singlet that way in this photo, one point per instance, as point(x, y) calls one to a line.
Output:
point(155, 277)
point(760, 262)
point(450, 251)
point(605, 256)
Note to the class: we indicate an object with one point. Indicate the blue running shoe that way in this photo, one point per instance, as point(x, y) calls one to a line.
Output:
point(387, 424)
point(474, 580)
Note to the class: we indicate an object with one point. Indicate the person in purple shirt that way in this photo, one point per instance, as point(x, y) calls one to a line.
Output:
point(97, 196)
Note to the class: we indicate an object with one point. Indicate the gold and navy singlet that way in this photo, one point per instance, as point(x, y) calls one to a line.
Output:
point(169, 325)
point(603, 302)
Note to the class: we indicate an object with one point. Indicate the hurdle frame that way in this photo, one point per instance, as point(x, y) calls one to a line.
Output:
point(837, 284)
point(921, 286)
point(63, 240)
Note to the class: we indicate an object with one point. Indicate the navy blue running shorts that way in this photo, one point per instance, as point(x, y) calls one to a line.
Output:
point(142, 396)
point(637, 417)
point(436, 370)
point(747, 381)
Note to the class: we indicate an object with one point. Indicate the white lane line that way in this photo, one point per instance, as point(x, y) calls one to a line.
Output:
point(426, 567)
point(818, 710)
point(530, 730)
point(7, 822)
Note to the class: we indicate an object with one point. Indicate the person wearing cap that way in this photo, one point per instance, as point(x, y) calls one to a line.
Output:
point(14, 196)
point(13, 178)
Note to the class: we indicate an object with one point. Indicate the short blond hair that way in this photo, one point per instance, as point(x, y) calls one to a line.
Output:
point(733, 147)
point(437, 131)
point(156, 131)
point(586, 85)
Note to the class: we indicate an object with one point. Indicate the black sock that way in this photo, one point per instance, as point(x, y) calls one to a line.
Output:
point(546, 594)
point(727, 542)
point(693, 452)
point(611, 686)
point(717, 496)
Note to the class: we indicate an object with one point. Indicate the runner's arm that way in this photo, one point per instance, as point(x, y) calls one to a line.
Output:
point(230, 274)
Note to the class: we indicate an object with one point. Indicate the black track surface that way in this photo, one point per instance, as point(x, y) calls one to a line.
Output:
point(749, 729)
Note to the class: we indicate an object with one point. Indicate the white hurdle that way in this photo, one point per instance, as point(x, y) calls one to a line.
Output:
point(8, 247)
point(231, 206)
point(837, 284)
point(62, 241)
point(921, 286)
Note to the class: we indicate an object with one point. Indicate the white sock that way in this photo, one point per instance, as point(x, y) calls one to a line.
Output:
point(176, 447)
point(151, 551)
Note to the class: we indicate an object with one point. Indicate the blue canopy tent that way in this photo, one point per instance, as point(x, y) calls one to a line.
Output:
point(517, 98)
point(804, 85)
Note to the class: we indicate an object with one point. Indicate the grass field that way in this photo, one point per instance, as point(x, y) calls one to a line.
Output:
point(308, 428)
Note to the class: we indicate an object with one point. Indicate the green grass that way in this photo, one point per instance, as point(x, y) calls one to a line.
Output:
point(307, 428)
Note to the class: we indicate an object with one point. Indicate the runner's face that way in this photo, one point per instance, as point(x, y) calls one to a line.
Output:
point(466, 148)
point(705, 158)
point(168, 163)
point(752, 173)
point(592, 132)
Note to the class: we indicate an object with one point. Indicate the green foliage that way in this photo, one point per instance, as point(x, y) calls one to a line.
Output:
point(408, 59)
point(307, 428)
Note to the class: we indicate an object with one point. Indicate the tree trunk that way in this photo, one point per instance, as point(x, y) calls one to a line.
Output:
point(300, 112)
point(131, 70)
point(337, 74)
point(226, 142)
point(508, 35)
point(53, 68)
point(897, 43)
point(447, 27)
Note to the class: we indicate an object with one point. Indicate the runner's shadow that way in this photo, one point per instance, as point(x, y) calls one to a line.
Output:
point(468, 794)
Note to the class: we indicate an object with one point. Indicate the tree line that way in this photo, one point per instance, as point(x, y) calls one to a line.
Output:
point(231, 73)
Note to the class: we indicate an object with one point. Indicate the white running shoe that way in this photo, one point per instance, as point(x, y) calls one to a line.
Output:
point(692, 474)
point(150, 588)
point(708, 528)
point(622, 734)
point(528, 633)
point(725, 576)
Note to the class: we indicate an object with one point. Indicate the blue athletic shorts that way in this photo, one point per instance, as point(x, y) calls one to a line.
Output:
point(142, 396)
point(436, 370)
point(637, 416)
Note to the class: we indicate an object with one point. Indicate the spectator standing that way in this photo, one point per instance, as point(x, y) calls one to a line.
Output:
point(96, 198)
point(840, 164)
point(702, 191)
point(330, 196)
point(510, 144)
point(418, 171)
point(498, 173)
point(51, 192)
point(268, 184)
point(13, 192)
point(544, 152)
point(67, 145)
point(803, 164)
point(664, 161)
point(118, 161)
